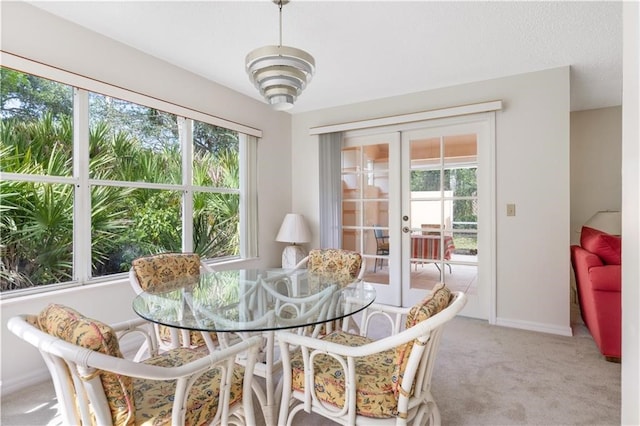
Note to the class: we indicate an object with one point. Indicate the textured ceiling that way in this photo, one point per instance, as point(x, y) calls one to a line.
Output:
point(375, 49)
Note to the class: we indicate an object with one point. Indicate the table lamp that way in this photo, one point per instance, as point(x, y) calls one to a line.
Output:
point(606, 221)
point(294, 230)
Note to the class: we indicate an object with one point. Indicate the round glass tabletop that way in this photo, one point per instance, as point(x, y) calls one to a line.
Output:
point(254, 300)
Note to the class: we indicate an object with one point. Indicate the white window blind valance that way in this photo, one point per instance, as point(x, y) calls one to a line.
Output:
point(408, 118)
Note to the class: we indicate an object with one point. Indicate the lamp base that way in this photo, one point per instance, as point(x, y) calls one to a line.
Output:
point(292, 255)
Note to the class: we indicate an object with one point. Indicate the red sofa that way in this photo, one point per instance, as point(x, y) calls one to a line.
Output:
point(597, 267)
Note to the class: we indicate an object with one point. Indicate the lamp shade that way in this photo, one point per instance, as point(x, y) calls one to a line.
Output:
point(606, 221)
point(294, 229)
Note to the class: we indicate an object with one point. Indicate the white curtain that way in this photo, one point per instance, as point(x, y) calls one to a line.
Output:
point(249, 203)
point(330, 190)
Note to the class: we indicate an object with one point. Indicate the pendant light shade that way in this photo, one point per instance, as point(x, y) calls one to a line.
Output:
point(280, 72)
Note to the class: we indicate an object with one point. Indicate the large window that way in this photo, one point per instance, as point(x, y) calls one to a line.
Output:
point(90, 182)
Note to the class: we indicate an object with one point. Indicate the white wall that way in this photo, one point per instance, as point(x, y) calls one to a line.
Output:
point(532, 158)
point(75, 49)
point(631, 215)
point(596, 164)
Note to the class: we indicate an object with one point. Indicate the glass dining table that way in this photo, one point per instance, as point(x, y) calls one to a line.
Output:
point(243, 302)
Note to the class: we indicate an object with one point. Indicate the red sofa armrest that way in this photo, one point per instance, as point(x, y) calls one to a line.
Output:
point(583, 259)
point(606, 278)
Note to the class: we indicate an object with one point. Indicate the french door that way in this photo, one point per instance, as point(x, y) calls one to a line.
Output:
point(418, 202)
point(370, 183)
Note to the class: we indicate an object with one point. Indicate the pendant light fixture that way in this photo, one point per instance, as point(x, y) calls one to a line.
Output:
point(280, 72)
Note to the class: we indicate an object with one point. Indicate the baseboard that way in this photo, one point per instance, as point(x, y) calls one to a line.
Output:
point(33, 378)
point(535, 326)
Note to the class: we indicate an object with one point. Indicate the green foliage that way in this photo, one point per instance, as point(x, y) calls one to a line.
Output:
point(27, 97)
point(127, 143)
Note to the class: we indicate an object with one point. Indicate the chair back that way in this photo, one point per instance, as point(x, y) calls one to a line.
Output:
point(336, 261)
point(416, 357)
point(378, 233)
point(109, 395)
point(160, 272)
point(150, 272)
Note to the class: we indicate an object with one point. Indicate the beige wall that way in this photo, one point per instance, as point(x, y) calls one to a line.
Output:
point(532, 170)
point(75, 49)
point(596, 164)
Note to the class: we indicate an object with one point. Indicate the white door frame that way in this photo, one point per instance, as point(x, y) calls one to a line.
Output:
point(486, 179)
point(482, 304)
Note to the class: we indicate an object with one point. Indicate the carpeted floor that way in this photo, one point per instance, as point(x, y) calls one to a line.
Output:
point(489, 375)
point(484, 375)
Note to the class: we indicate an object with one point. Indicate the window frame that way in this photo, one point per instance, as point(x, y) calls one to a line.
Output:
point(81, 85)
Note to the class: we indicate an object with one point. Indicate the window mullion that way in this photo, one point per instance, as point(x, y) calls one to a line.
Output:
point(82, 199)
point(185, 128)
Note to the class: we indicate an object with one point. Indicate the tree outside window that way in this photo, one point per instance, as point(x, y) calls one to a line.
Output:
point(137, 187)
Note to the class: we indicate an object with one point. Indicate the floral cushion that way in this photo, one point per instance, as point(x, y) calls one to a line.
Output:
point(154, 399)
point(164, 272)
point(437, 300)
point(195, 337)
point(69, 325)
point(334, 261)
point(153, 271)
point(374, 389)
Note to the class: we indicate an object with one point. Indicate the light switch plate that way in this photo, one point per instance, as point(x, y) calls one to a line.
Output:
point(511, 209)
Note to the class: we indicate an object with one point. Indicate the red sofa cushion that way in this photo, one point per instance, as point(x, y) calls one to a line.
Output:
point(606, 246)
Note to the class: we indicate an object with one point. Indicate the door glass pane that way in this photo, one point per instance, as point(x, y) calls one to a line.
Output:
point(351, 239)
point(425, 213)
point(425, 180)
point(443, 201)
point(425, 152)
point(460, 148)
point(365, 205)
point(351, 213)
point(462, 182)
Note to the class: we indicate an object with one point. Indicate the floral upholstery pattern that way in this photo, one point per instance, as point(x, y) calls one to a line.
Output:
point(332, 266)
point(195, 337)
point(374, 394)
point(154, 399)
point(436, 301)
point(334, 261)
point(153, 271)
point(69, 325)
point(164, 272)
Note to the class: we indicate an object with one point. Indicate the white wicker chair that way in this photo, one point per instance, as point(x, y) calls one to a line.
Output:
point(354, 379)
point(154, 271)
point(94, 384)
point(344, 266)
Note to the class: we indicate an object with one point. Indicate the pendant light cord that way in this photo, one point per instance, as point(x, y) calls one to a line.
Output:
point(280, 7)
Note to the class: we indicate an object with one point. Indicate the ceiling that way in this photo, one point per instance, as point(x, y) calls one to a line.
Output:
point(374, 49)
